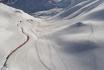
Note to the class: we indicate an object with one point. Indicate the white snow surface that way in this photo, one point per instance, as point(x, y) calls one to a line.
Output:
point(66, 42)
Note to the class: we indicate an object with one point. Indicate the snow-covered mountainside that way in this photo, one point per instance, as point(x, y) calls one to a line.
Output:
point(48, 13)
point(70, 40)
point(73, 8)
point(32, 5)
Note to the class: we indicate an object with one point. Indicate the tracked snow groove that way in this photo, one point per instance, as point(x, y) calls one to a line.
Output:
point(38, 55)
point(5, 65)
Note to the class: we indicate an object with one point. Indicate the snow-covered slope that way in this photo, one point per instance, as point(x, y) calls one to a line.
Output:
point(14, 28)
point(47, 13)
point(73, 42)
point(31, 6)
point(80, 8)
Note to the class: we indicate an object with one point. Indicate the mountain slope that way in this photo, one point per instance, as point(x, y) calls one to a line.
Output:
point(76, 43)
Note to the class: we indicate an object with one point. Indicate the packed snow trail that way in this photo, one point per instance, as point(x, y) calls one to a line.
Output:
point(5, 65)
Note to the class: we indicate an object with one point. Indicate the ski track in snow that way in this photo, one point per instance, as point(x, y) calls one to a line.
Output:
point(5, 65)
point(70, 42)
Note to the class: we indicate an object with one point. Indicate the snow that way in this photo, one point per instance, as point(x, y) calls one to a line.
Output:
point(71, 42)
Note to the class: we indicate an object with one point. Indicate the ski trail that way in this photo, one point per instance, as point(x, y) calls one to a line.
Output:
point(84, 9)
point(4, 67)
point(91, 35)
point(38, 55)
point(50, 55)
point(62, 61)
